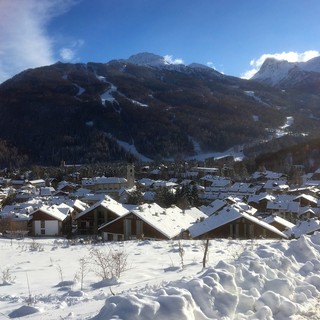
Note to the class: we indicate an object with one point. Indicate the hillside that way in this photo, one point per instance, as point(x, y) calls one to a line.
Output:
point(81, 113)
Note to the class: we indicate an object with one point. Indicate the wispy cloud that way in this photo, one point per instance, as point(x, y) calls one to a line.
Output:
point(24, 42)
point(169, 59)
point(288, 56)
point(69, 54)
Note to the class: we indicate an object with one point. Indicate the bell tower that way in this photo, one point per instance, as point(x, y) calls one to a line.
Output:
point(130, 175)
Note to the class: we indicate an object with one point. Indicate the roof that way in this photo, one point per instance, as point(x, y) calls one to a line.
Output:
point(103, 180)
point(170, 222)
point(225, 216)
point(270, 219)
point(213, 207)
point(307, 197)
point(108, 203)
point(59, 212)
point(303, 227)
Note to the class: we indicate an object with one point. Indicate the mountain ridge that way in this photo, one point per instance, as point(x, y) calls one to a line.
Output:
point(79, 112)
point(281, 73)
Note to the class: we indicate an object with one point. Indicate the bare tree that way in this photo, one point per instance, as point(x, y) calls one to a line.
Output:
point(108, 264)
point(181, 253)
point(205, 244)
point(82, 271)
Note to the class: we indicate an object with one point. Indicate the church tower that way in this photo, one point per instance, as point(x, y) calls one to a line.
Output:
point(130, 175)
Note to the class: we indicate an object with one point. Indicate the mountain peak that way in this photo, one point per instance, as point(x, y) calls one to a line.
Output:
point(275, 72)
point(147, 59)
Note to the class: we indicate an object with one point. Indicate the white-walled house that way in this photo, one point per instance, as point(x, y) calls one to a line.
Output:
point(51, 220)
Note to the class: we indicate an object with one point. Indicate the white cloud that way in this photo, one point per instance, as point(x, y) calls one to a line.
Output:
point(69, 54)
point(169, 60)
point(288, 56)
point(24, 42)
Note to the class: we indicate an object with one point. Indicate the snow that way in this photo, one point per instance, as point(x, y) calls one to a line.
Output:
point(107, 95)
point(132, 149)
point(274, 71)
point(244, 279)
point(80, 89)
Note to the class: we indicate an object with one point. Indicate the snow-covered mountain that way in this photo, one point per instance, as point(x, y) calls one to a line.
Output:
point(148, 59)
point(281, 73)
point(159, 108)
point(164, 62)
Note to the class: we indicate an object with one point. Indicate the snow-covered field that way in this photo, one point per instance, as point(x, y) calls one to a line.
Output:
point(259, 279)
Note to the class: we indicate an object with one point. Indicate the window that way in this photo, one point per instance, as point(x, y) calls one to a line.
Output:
point(43, 231)
point(42, 224)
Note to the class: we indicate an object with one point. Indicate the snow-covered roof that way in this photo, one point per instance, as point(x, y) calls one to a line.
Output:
point(102, 180)
point(307, 197)
point(59, 212)
point(112, 205)
point(303, 227)
point(227, 215)
point(272, 218)
point(288, 206)
point(213, 207)
point(276, 185)
point(170, 221)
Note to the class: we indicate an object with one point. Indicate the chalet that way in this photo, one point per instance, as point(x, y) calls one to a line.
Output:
point(52, 220)
point(286, 209)
point(303, 227)
point(233, 222)
point(103, 211)
point(243, 189)
point(260, 201)
point(150, 221)
point(306, 200)
point(278, 222)
point(215, 182)
point(14, 224)
point(38, 183)
point(275, 186)
point(266, 175)
point(307, 213)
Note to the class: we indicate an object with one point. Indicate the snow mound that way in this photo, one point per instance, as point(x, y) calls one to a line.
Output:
point(270, 282)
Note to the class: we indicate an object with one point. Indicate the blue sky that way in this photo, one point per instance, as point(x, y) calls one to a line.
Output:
point(233, 36)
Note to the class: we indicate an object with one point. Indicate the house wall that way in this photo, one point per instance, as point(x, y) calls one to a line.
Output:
point(51, 228)
point(89, 223)
point(242, 229)
point(119, 227)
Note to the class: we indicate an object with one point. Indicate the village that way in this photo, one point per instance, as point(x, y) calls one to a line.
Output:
point(113, 208)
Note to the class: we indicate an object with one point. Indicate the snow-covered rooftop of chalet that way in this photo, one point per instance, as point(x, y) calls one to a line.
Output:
point(146, 182)
point(304, 210)
point(275, 184)
point(272, 218)
point(213, 207)
point(261, 196)
point(315, 183)
point(80, 193)
point(59, 212)
point(288, 206)
point(307, 197)
point(112, 205)
point(170, 221)
point(267, 175)
point(37, 181)
point(303, 227)
point(227, 215)
point(243, 187)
